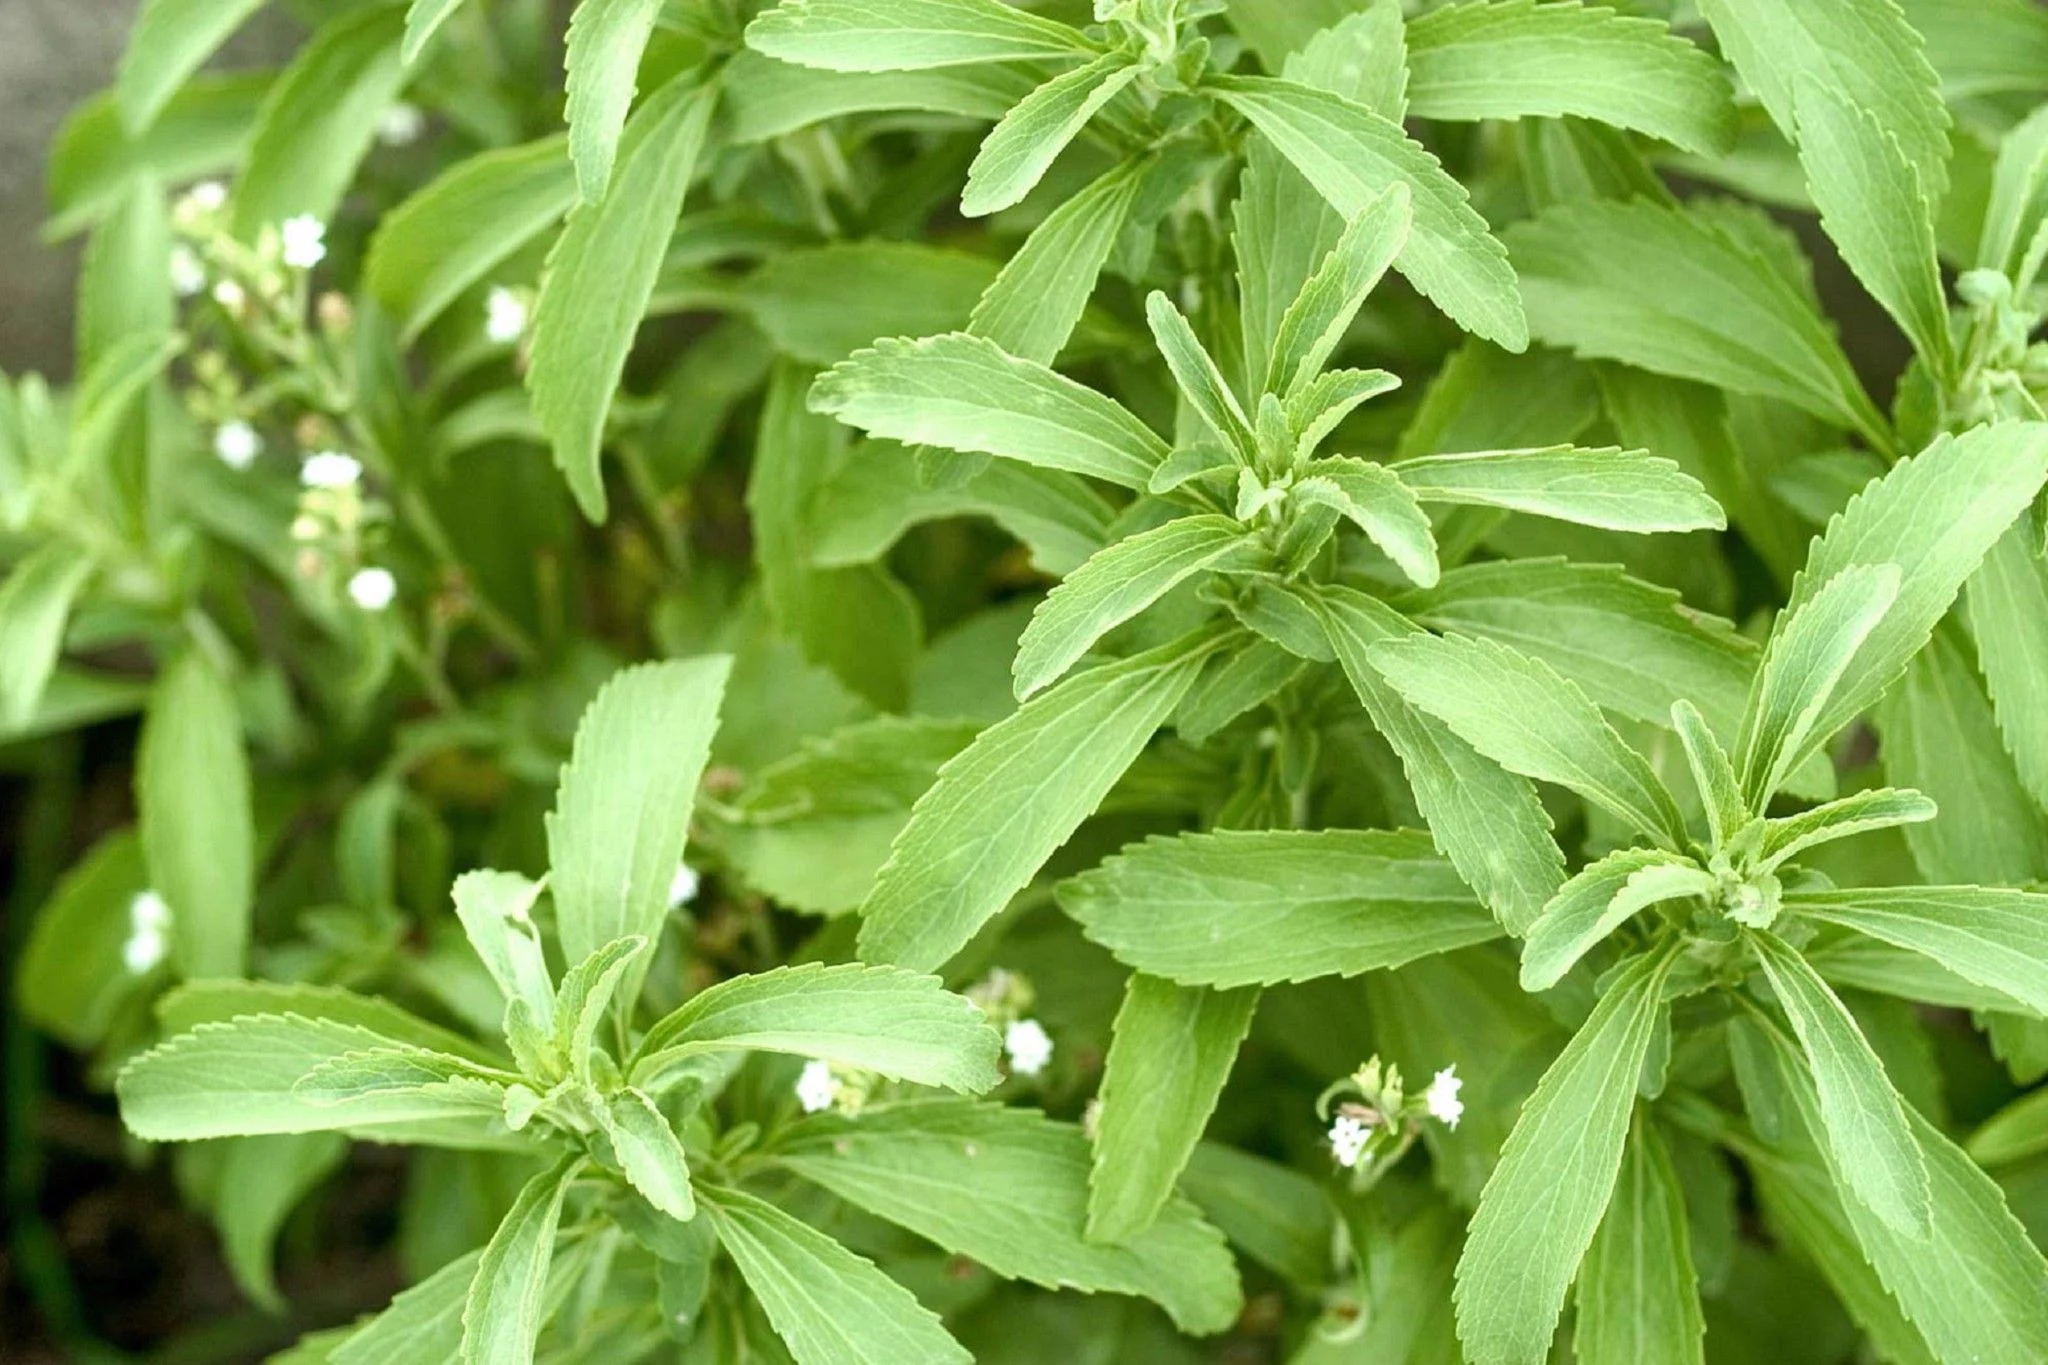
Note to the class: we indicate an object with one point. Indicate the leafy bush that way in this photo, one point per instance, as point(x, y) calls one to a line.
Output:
point(1496, 633)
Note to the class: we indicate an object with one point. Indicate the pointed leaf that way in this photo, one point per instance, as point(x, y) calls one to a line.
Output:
point(1639, 1298)
point(171, 39)
point(1622, 490)
point(505, 1309)
point(35, 606)
point(1032, 307)
point(198, 825)
point(2007, 603)
point(605, 44)
point(1878, 808)
point(908, 35)
point(1315, 323)
point(1374, 499)
point(650, 1153)
point(1022, 147)
point(1600, 899)
point(1992, 936)
point(1201, 382)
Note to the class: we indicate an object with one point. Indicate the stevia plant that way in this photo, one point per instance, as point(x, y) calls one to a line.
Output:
point(1272, 544)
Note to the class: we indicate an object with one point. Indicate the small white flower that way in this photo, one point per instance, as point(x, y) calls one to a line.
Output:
point(148, 920)
point(188, 272)
point(237, 444)
point(1348, 1136)
point(815, 1088)
point(330, 469)
point(401, 125)
point(505, 316)
point(1028, 1045)
point(372, 589)
point(209, 195)
point(1442, 1097)
point(230, 295)
point(682, 888)
point(305, 241)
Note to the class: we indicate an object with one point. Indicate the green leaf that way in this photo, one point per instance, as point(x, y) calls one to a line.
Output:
point(422, 21)
point(1935, 516)
point(96, 161)
point(198, 827)
point(2007, 602)
point(1374, 499)
point(1639, 1298)
point(2014, 1133)
point(262, 1179)
point(1352, 155)
point(2017, 186)
point(1520, 713)
point(1863, 51)
point(908, 35)
point(423, 1325)
point(649, 1152)
point(1622, 490)
point(622, 812)
point(1117, 584)
point(450, 235)
point(1873, 205)
point(1276, 1215)
point(1721, 313)
point(1488, 822)
point(605, 44)
point(1989, 935)
point(35, 605)
point(821, 304)
point(186, 1006)
point(1017, 153)
point(767, 99)
point(1545, 1200)
point(1713, 775)
point(1877, 808)
point(496, 911)
point(963, 393)
point(1521, 59)
point(171, 40)
point(1321, 407)
point(1315, 322)
point(1262, 907)
point(71, 979)
point(601, 275)
point(1172, 1050)
point(1009, 1188)
point(1862, 1115)
point(319, 121)
point(884, 1019)
point(1197, 374)
point(505, 1309)
point(829, 1306)
point(1001, 808)
point(586, 992)
point(1031, 308)
point(1603, 896)
point(1809, 654)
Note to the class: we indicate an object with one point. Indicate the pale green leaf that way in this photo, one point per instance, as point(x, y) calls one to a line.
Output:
point(1315, 322)
point(908, 35)
point(1201, 381)
point(262, 1179)
point(649, 1152)
point(1639, 1298)
point(192, 1003)
point(1622, 490)
point(35, 606)
point(423, 19)
point(605, 44)
point(2019, 194)
point(766, 98)
point(1603, 895)
point(171, 40)
point(496, 912)
point(423, 1325)
point(198, 825)
point(821, 304)
point(1031, 308)
point(70, 979)
point(1022, 147)
point(1992, 936)
point(1241, 907)
point(1713, 774)
point(1877, 808)
point(2007, 603)
point(505, 1309)
point(1374, 499)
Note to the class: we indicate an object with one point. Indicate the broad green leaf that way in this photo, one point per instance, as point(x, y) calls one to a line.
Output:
point(2007, 603)
point(1519, 712)
point(1521, 59)
point(1600, 898)
point(1275, 28)
point(1935, 516)
point(1622, 490)
point(423, 1325)
point(1282, 230)
point(1877, 808)
point(1989, 935)
point(423, 19)
point(1196, 372)
point(1874, 206)
point(964, 393)
point(1032, 307)
point(110, 391)
point(1001, 808)
point(96, 161)
point(1863, 1118)
point(622, 812)
point(186, 1006)
point(319, 121)
point(1315, 322)
point(765, 98)
point(1487, 821)
point(71, 980)
point(1117, 584)
point(1639, 1298)
point(2018, 185)
point(1172, 1050)
point(908, 35)
point(829, 1306)
point(1863, 51)
point(1546, 1199)
point(1242, 907)
point(238, 1079)
point(1374, 499)
point(262, 1179)
point(605, 44)
point(1352, 155)
point(1009, 1188)
point(1631, 646)
point(1022, 147)
point(1939, 736)
point(822, 304)
point(601, 275)
point(35, 606)
point(1809, 653)
point(649, 1152)
point(171, 40)
point(1251, 675)
point(899, 1023)
point(1721, 312)
point(198, 827)
point(453, 233)
point(505, 1309)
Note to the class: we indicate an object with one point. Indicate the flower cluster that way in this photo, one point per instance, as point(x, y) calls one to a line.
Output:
point(1006, 997)
point(1375, 1121)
